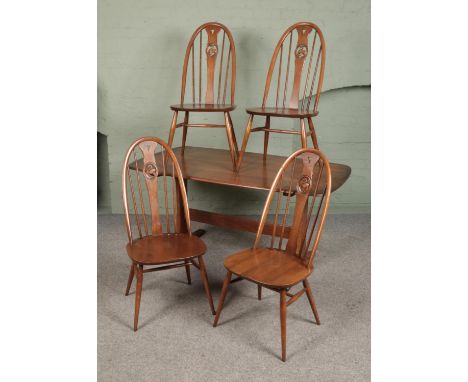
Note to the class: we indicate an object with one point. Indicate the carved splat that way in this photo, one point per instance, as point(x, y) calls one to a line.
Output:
point(303, 188)
point(211, 55)
point(298, 179)
point(211, 44)
point(299, 58)
point(150, 172)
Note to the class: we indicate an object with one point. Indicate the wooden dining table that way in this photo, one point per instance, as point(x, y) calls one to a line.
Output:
point(214, 166)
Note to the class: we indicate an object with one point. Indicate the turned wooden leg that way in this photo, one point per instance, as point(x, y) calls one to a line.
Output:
point(312, 133)
point(311, 300)
point(233, 134)
point(259, 290)
point(283, 323)
point(130, 278)
point(173, 129)
point(227, 281)
point(187, 270)
point(266, 138)
point(244, 141)
point(204, 277)
point(229, 132)
point(184, 132)
point(303, 134)
point(139, 272)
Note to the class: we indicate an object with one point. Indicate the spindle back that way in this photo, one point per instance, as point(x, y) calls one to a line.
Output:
point(297, 77)
point(153, 188)
point(209, 66)
point(304, 175)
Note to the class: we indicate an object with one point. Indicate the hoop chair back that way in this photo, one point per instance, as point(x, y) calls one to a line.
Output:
point(298, 76)
point(306, 176)
point(210, 62)
point(153, 188)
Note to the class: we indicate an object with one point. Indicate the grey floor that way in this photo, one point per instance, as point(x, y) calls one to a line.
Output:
point(176, 340)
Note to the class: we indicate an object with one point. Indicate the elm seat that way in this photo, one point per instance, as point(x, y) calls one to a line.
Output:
point(165, 248)
point(281, 112)
point(269, 267)
point(207, 108)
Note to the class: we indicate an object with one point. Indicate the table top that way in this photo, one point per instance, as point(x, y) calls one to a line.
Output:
point(215, 166)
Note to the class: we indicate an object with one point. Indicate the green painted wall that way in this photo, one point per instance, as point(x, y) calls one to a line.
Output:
point(141, 45)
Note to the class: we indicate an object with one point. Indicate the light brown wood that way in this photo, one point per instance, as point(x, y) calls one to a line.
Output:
point(310, 297)
point(208, 38)
point(130, 279)
point(283, 312)
point(288, 261)
point(280, 112)
point(206, 108)
point(227, 281)
point(268, 267)
point(165, 248)
point(213, 166)
point(158, 241)
point(206, 285)
point(139, 272)
point(305, 42)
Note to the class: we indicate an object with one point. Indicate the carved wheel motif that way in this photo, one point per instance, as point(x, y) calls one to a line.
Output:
point(304, 184)
point(301, 51)
point(150, 171)
point(211, 50)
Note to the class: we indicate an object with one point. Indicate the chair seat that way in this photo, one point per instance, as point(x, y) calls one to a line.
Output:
point(268, 267)
point(166, 248)
point(202, 107)
point(280, 112)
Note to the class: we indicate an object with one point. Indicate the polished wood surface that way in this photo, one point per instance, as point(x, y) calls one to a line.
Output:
point(168, 248)
point(298, 82)
point(287, 261)
point(156, 237)
point(207, 108)
point(268, 267)
point(281, 112)
point(213, 166)
point(211, 48)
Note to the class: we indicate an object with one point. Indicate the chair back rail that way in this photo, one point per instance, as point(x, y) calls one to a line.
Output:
point(298, 177)
point(153, 189)
point(297, 68)
point(209, 68)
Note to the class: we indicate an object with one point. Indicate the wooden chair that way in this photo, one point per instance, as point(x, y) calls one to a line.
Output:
point(300, 99)
point(210, 49)
point(288, 259)
point(156, 239)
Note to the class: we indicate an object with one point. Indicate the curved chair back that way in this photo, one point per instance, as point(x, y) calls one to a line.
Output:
point(210, 62)
point(306, 176)
point(297, 68)
point(153, 189)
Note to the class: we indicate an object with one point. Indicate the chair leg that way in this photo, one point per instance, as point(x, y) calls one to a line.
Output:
point(244, 141)
point(303, 134)
point(184, 133)
point(311, 300)
point(187, 270)
point(283, 323)
point(229, 132)
point(130, 279)
point(233, 135)
point(312, 133)
point(204, 277)
point(173, 129)
point(266, 138)
point(139, 272)
point(259, 290)
point(227, 281)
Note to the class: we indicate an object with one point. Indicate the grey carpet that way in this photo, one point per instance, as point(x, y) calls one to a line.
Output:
point(176, 340)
